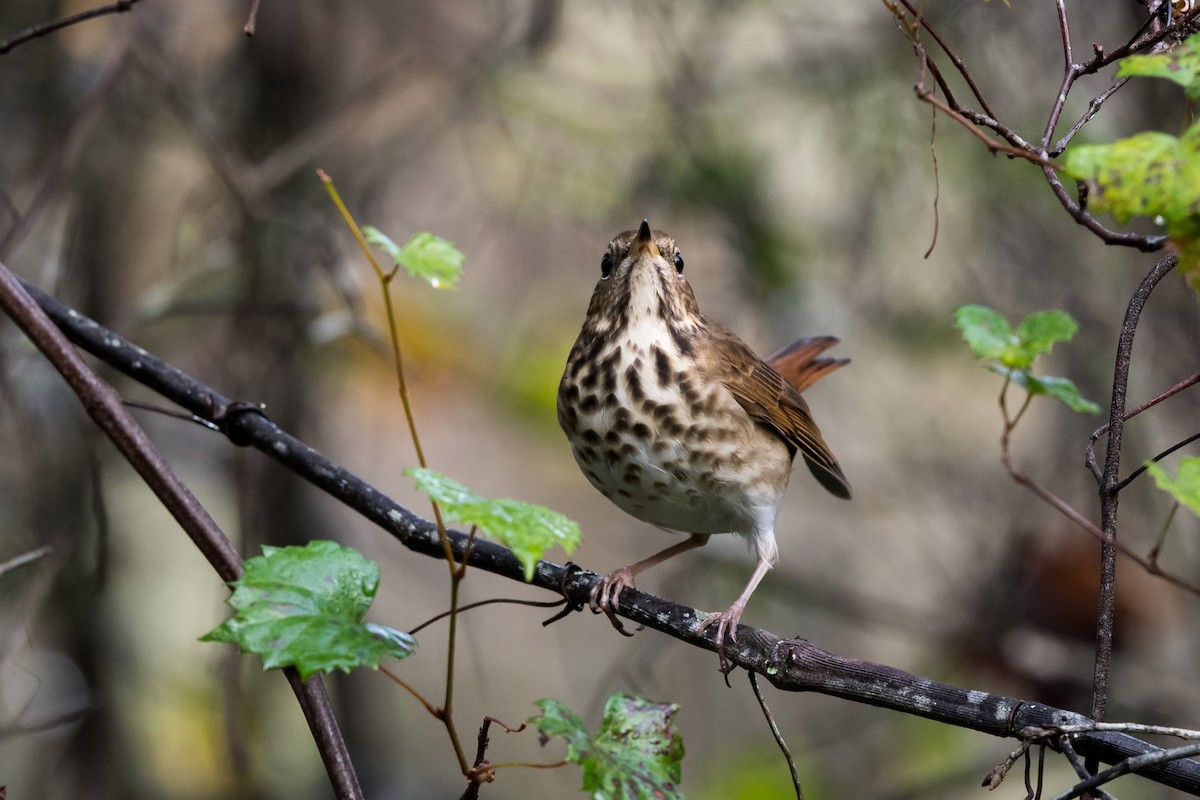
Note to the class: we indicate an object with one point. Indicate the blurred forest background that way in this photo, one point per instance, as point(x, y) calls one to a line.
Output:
point(157, 172)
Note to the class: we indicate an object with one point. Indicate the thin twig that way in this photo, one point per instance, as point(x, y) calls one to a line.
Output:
point(433, 710)
point(483, 771)
point(937, 182)
point(1127, 766)
point(44, 28)
point(458, 569)
point(251, 21)
point(1152, 557)
point(1079, 212)
point(1092, 109)
point(491, 601)
point(1069, 75)
point(1120, 727)
point(1071, 513)
point(1090, 453)
point(1017, 146)
point(166, 412)
point(25, 558)
point(1149, 564)
point(993, 146)
point(397, 357)
point(1068, 750)
point(787, 754)
point(997, 773)
point(1155, 459)
point(958, 62)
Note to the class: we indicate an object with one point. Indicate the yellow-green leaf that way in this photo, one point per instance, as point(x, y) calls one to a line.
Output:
point(528, 530)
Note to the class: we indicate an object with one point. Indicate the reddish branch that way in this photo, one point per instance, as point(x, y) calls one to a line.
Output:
point(103, 404)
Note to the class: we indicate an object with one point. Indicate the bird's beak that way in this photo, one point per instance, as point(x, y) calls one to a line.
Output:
point(644, 242)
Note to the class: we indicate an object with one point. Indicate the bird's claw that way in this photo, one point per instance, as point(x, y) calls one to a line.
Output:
point(727, 624)
point(605, 595)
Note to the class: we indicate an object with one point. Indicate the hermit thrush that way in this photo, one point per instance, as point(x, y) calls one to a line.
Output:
point(674, 419)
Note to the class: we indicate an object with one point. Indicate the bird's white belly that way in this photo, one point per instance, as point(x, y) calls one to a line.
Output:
point(675, 453)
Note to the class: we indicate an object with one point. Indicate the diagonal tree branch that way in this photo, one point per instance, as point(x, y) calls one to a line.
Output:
point(790, 664)
point(103, 404)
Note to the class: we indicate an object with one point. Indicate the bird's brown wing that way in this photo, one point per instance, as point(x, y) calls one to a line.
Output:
point(773, 402)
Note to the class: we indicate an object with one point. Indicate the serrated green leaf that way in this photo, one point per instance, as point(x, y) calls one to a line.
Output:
point(557, 720)
point(636, 753)
point(1186, 488)
point(425, 256)
point(304, 607)
point(527, 529)
point(1180, 65)
point(1150, 174)
point(1039, 331)
point(985, 331)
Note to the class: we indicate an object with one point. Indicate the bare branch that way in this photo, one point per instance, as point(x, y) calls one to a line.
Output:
point(959, 63)
point(252, 21)
point(779, 740)
point(1090, 456)
point(44, 28)
point(25, 558)
point(1131, 764)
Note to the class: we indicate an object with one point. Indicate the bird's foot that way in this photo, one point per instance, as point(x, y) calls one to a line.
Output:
point(605, 594)
point(727, 623)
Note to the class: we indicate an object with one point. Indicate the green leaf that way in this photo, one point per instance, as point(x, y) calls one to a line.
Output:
point(1038, 332)
point(989, 335)
point(528, 530)
point(636, 753)
point(425, 256)
point(1181, 65)
point(304, 607)
point(1185, 489)
point(1149, 174)
point(1062, 389)
point(1012, 353)
point(986, 332)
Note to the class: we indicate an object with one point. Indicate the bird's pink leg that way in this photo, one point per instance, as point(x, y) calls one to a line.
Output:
point(605, 594)
point(727, 620)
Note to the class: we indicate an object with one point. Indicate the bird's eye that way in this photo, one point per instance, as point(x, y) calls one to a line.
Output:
point(679, 262)
point(606, 265)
